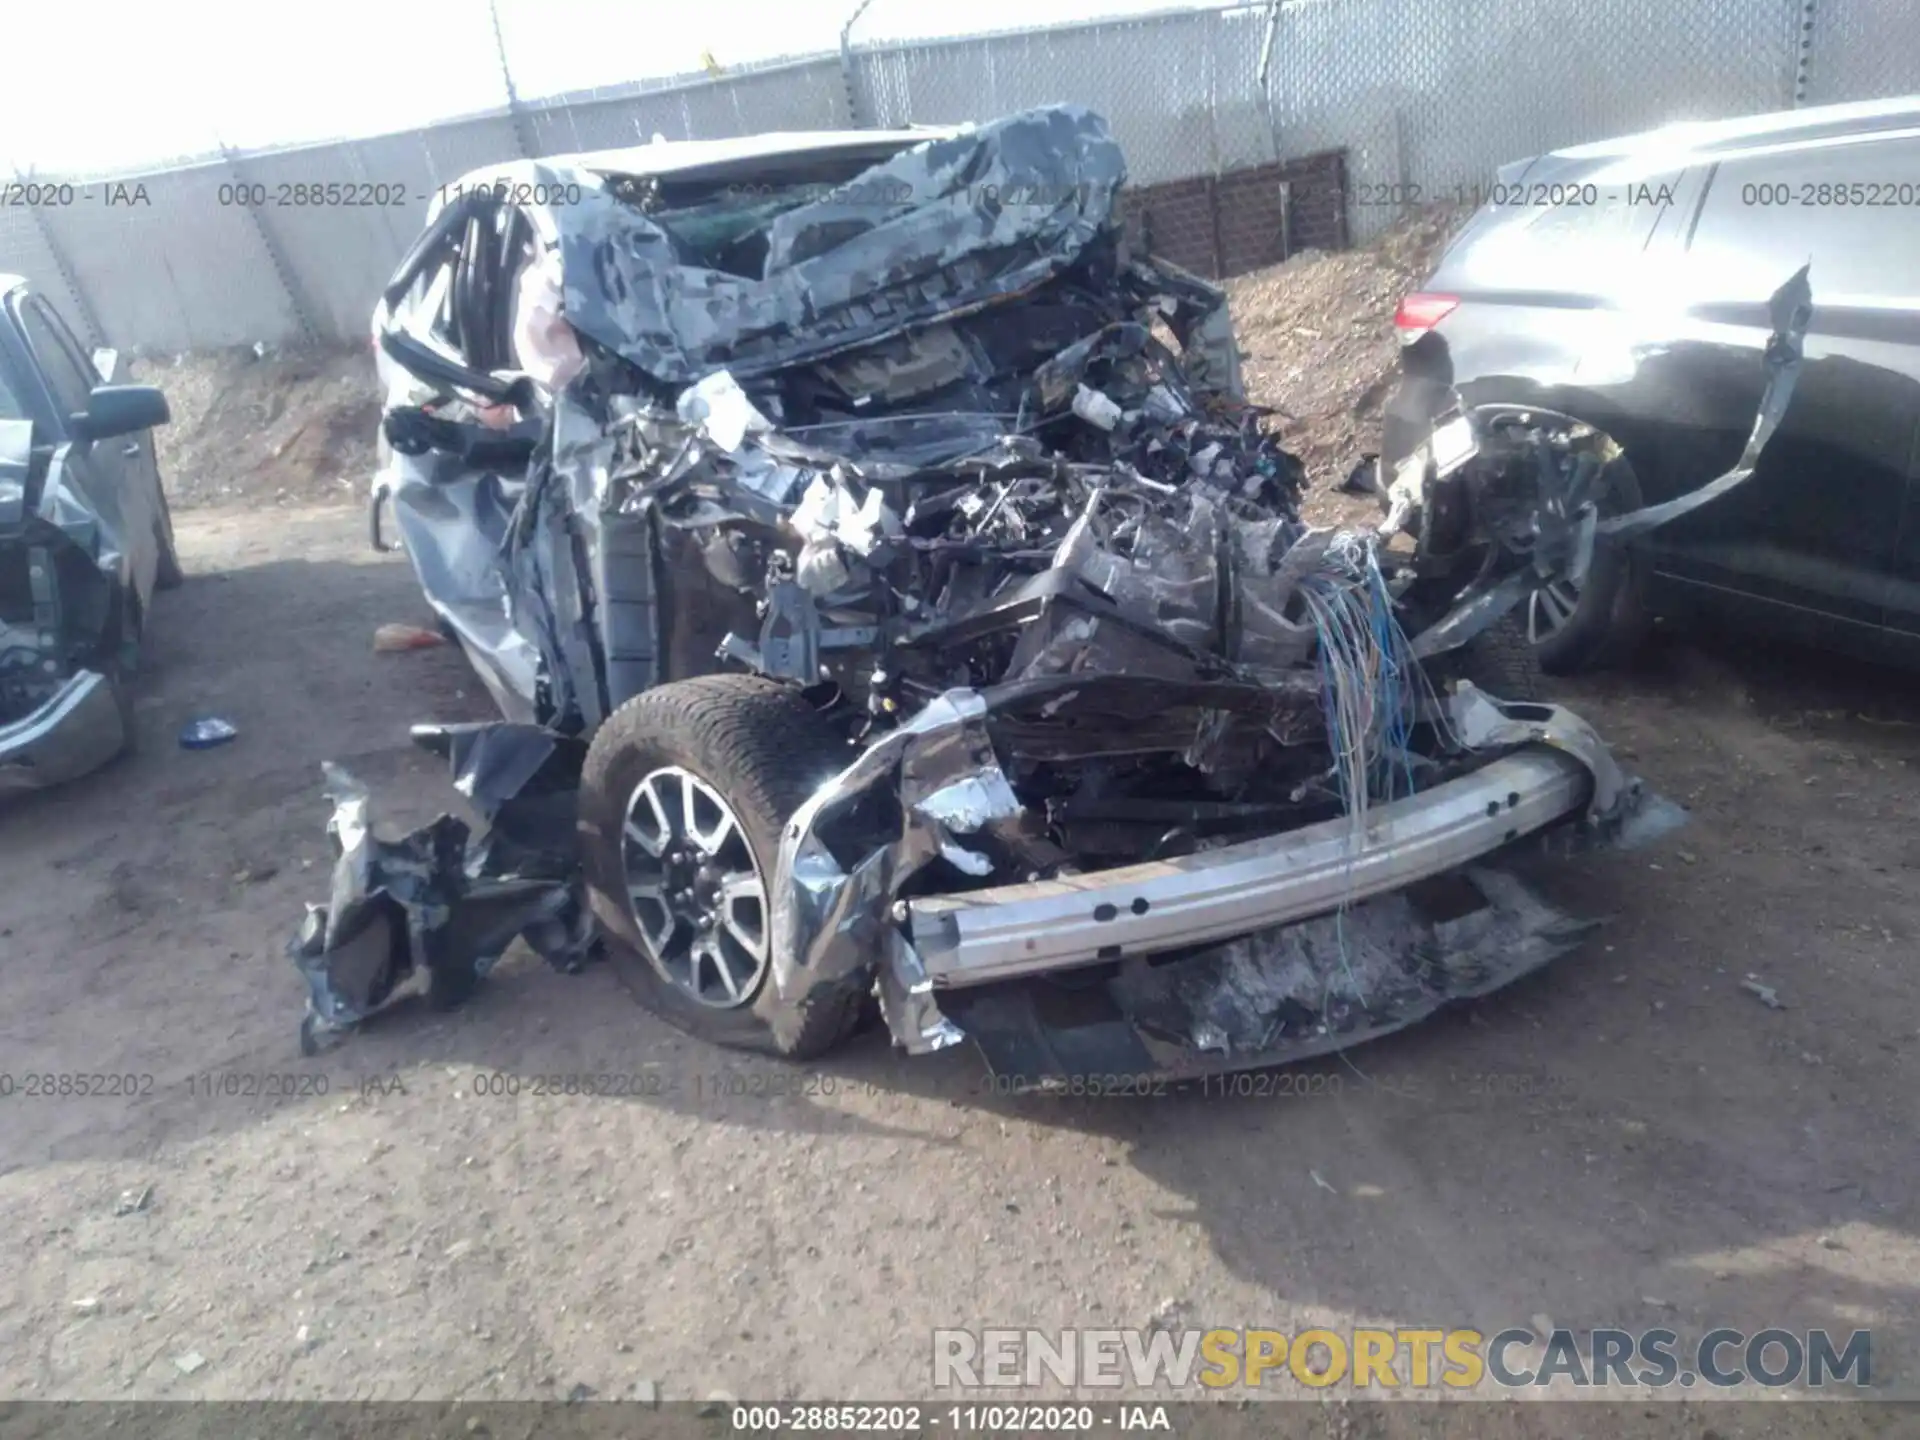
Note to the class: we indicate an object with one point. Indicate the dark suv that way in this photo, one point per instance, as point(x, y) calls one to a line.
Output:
point(1626, 284)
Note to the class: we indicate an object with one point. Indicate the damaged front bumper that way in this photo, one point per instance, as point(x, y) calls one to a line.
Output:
point(1246, 954)
point(78, 729)
point(983, 935)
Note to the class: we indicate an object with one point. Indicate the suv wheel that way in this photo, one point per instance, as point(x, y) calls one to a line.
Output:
point(1501, 660)
point(685, 792)
point(1598, 623)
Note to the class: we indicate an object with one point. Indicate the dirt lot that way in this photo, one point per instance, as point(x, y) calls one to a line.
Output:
point(1629, 1138)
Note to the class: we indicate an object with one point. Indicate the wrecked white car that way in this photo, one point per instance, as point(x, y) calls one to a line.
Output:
point(891, 594)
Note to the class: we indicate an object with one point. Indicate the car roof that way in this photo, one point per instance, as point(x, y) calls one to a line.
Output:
point(689, 158)
point(1819, 122)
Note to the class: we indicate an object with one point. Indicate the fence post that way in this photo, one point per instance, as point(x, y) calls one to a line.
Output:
point(1265, 78)
point(516, 112)
point(857, 115)
point(1803, 54)
point(1216, 240)
point(69, 277)
point(270, 242)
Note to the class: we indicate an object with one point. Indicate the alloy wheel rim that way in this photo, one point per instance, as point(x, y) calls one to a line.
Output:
point(694, 889)
point(1550, 608)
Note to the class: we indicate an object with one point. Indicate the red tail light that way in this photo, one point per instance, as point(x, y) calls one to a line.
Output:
point(1420, 312)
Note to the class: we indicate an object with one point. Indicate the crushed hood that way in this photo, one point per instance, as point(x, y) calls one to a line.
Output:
point(946, 227)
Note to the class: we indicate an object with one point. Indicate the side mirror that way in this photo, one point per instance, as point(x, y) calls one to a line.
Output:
point(120, 410)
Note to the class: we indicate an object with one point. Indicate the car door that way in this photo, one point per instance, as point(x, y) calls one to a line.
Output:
point(1816, 527)
point(112, 474)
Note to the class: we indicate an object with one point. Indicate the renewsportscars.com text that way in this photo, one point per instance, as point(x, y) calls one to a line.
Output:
point(1380, 1359)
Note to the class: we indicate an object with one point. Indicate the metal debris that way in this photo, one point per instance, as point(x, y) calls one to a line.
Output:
point(439, 903)
point(132, 1202)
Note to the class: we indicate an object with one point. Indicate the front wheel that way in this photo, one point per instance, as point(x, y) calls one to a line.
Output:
point(685, 792)
point(1502, 660)
point(1575, 628)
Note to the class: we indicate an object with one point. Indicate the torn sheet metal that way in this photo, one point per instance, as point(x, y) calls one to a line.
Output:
point(547, 561)
point(453, 517)
point(1789, 312)
point(436, 905)
point(1272, 997)
point(828, 916)
point(943, 228)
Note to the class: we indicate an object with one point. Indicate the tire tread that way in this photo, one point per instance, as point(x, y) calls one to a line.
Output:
point(764, 748)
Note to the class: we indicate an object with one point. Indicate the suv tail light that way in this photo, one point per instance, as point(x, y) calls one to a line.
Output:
point(1420, 312)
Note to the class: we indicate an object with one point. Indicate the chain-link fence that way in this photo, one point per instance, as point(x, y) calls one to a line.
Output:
point(1425, 97)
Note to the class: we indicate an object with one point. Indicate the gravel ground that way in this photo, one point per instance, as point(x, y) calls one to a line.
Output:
point(1626, 1138)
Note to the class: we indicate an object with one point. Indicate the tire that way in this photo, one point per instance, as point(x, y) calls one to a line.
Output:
point(1611, 615)
point(167, 574)
point(1500, 660)
point(761, 749)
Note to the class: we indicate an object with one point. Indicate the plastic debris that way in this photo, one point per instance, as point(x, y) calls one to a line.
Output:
point(132, 1202)
point(406, 637)
point(207, 731)
point(1765, 994)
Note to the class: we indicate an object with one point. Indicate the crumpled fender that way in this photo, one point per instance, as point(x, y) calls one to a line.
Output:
point(1789, 311)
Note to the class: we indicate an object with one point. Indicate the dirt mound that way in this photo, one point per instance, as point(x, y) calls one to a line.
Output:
point(1317, 334)
point(287, 427)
